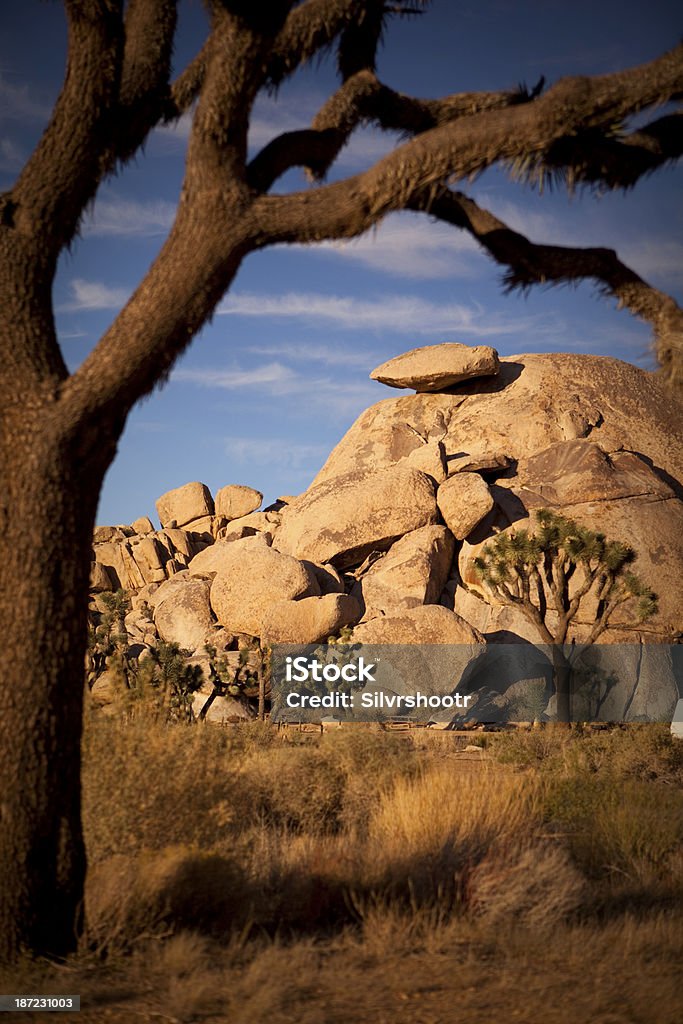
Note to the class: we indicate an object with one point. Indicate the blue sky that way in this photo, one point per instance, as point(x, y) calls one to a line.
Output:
point(281, 372)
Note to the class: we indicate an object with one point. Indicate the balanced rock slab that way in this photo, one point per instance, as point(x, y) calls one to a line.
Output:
point(309, 620)
point(412, 573)
point(183, 504)
point(464, 500)
point(343, 519)
point(251, 579)
point(437, 367)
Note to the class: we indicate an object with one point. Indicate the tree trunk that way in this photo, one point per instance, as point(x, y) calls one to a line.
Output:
point(48, 502)
point(562, 682)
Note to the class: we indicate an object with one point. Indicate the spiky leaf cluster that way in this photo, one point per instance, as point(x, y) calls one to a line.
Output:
point(554, 568)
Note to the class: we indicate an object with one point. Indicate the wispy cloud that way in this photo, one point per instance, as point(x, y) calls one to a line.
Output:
point(93, 295)
point(275, 451)
point(338, 398)
point(72, 335)
point(18, 103)
point(275, 375)
point(402, 313)
point(115, 217)
point(301, 352)
point(410, 245)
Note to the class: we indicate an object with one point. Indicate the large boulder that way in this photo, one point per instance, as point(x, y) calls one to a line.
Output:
point(345, 518)
point(236, 500)
point(252, 578)
point(436, 367)
point(464, 500)
point(182, 612)
point(412, 573)
point(183, 504)
point(428, 624)
point(221, 555)
point(309, 620)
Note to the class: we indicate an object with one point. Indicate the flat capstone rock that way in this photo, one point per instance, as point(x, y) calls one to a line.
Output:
point(437, 367)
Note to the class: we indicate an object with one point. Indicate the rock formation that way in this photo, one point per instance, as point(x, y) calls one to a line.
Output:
point(384, 539)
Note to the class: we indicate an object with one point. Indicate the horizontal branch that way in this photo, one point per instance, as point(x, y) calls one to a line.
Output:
point(604, 158)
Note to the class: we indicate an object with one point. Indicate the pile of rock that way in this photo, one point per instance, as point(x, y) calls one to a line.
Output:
point(385, 537)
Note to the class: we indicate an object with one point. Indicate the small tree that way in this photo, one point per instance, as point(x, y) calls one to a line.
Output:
point(549, 574)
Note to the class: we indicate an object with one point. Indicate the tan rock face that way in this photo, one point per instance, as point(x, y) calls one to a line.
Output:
point(220, 556)
point(310, 620)
point(142, 526)
point(182, 612)
point(436, 367)
point(266, 523)
point(412, 573)
point(344, 519)
point(251, 580)
point(430, 458)
point(100, 580)
point(329, 580)
point(464, 500)
point(430, 624)
point(235, 501)
point(221, 709)
point(183, 504)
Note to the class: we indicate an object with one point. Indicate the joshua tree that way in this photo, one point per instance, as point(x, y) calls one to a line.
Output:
point(548, 574)
point(59, 430)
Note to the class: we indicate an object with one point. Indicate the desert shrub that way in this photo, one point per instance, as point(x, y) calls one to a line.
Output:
point(428, 831)
point(155, 893)
point(148, 785)
point(644, 751)
point(538, 748)
point(294, 788)
point(532, 884)
point(628, 826)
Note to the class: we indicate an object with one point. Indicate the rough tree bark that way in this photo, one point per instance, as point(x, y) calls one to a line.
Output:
point(58, 432)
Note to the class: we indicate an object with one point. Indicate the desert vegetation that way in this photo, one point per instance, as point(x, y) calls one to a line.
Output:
point(246, 873)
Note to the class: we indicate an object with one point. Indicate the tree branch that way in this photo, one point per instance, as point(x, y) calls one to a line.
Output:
point(310, 28)
point(212, 232)
point(187, 86)
point(149, 29)
point(464, 147)
point(364, 98)
point(63, 173)
point(610, 159)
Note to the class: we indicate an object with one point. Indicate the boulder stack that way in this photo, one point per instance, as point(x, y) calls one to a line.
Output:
point(384, 540)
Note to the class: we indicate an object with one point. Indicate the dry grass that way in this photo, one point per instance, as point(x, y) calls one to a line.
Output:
point(248, 875)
